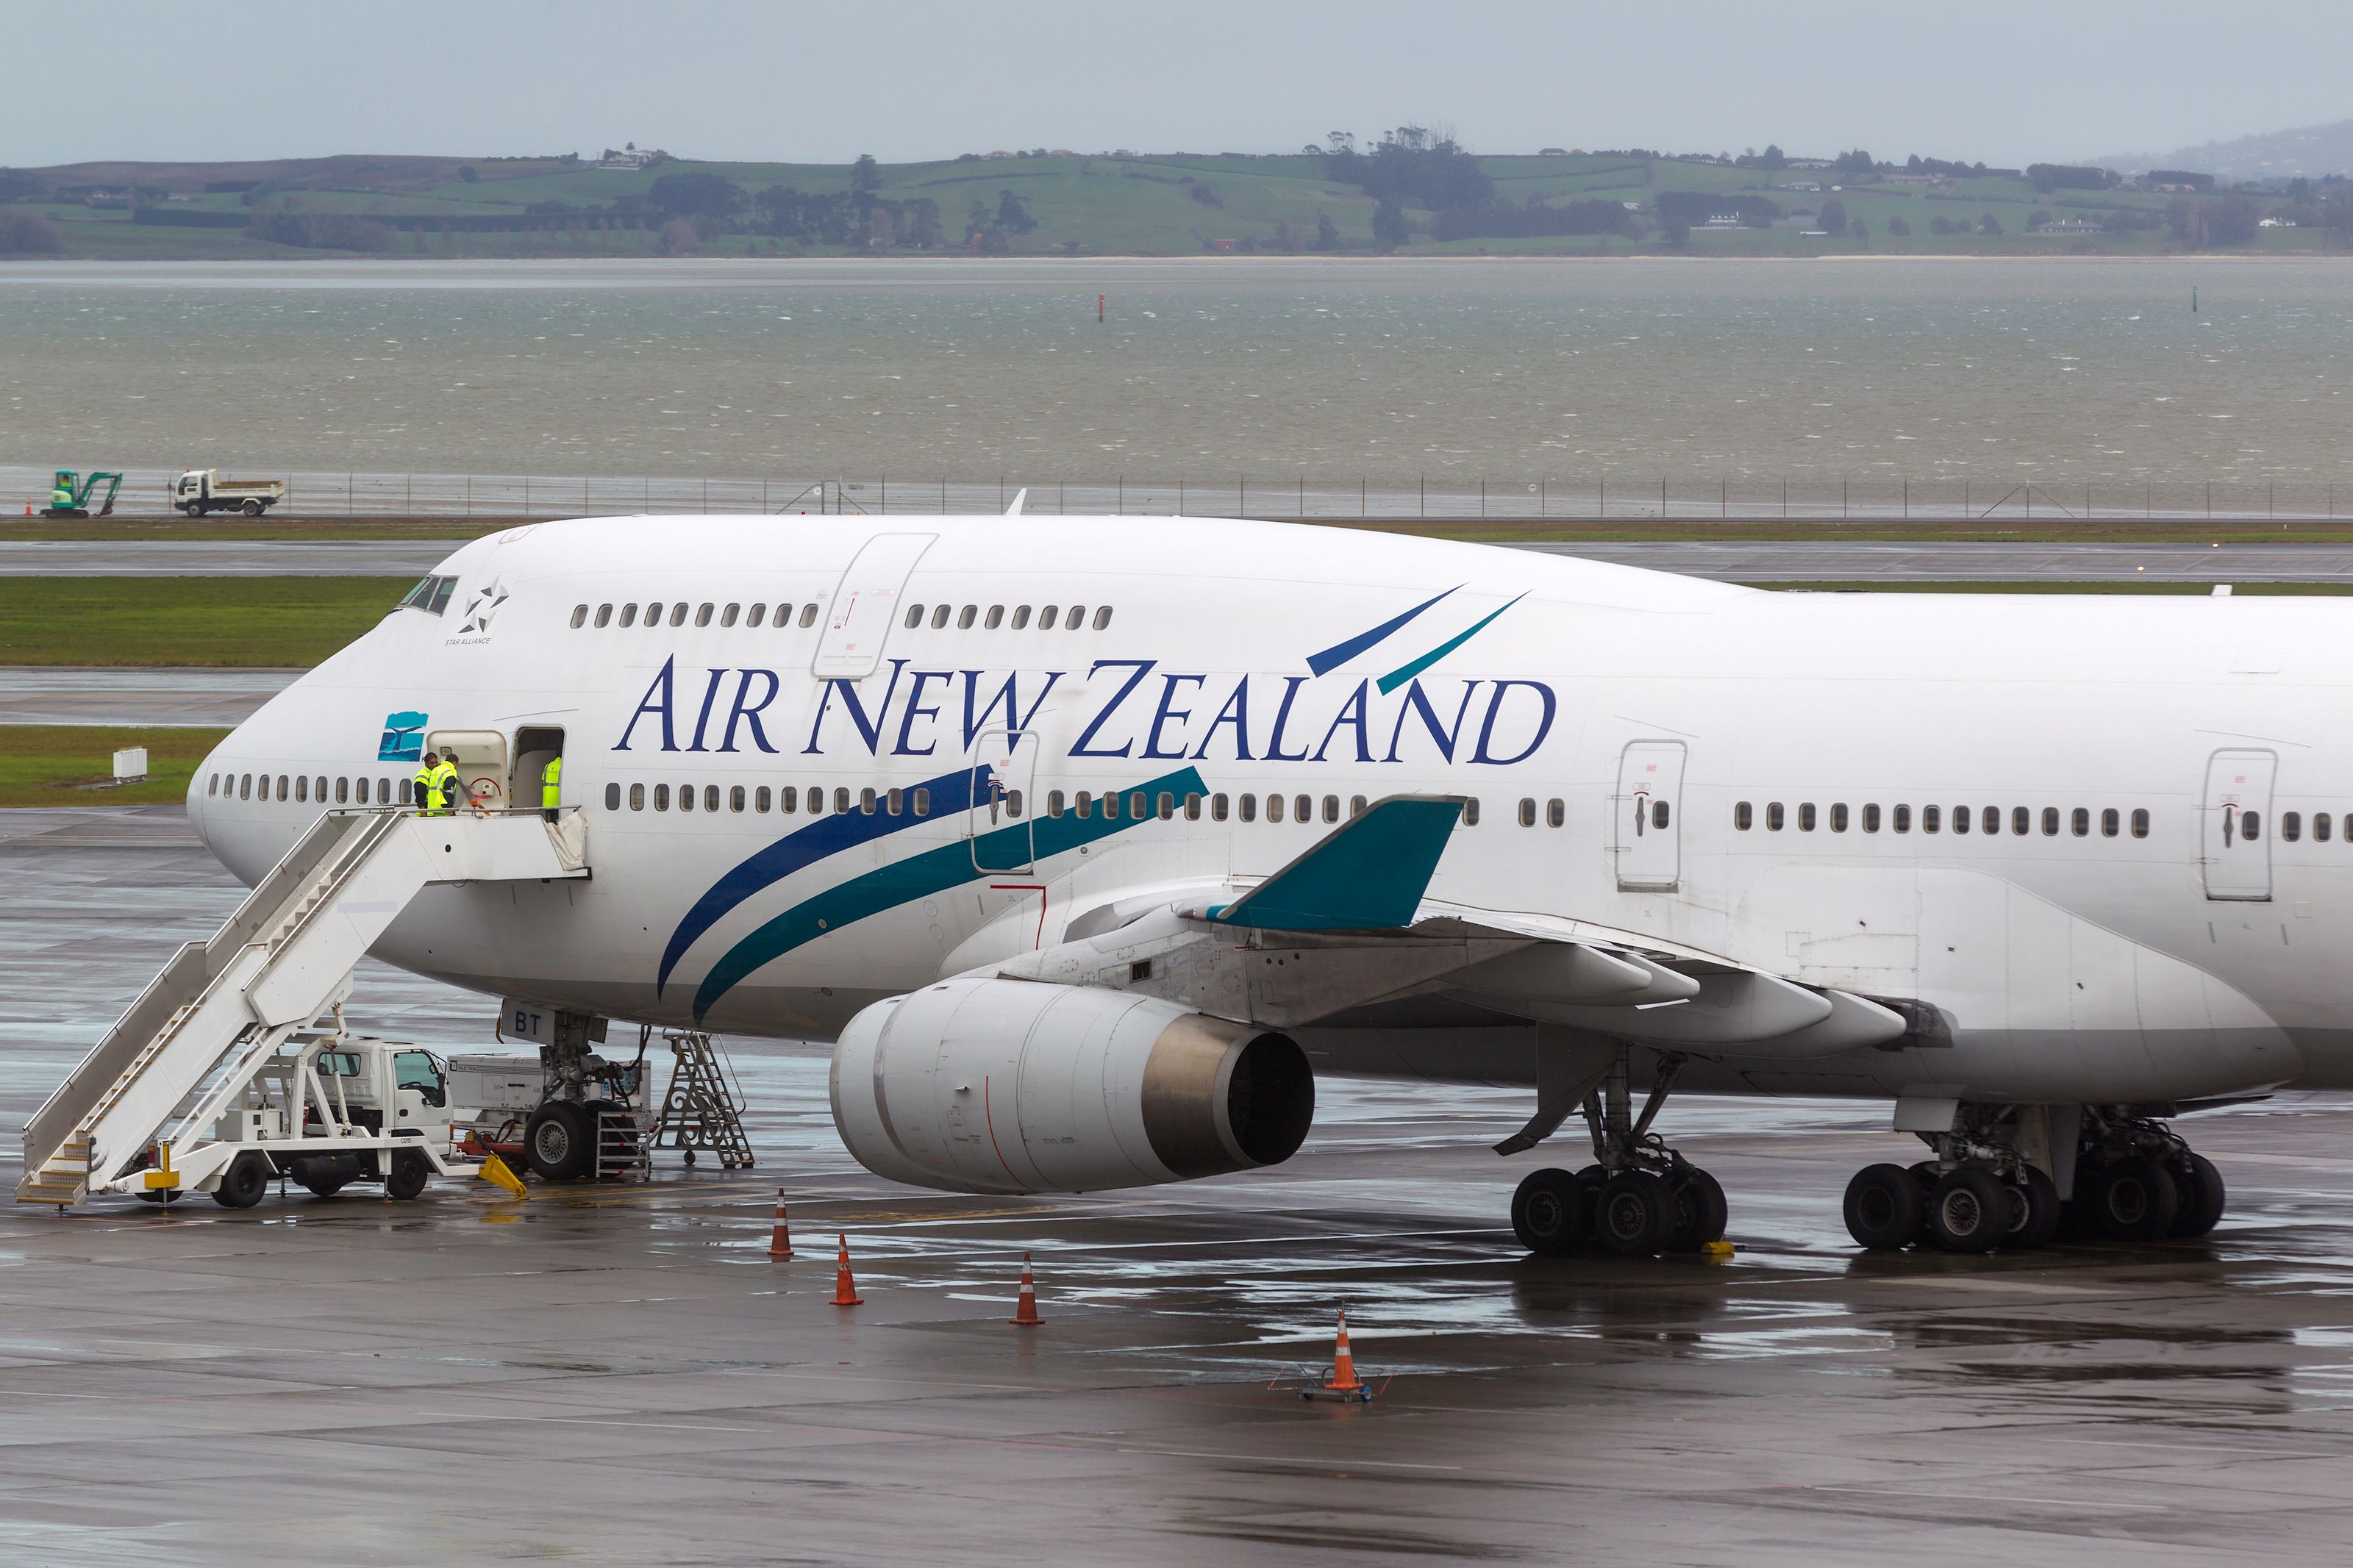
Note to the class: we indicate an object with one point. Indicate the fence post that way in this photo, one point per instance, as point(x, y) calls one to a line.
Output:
point(1662, 497)
point(1605, 495)
point(1241, 496)
point(1723, 500)
point(2210, 500)
point(1181, 498)
point(410, 506)
point(1964, 498)
point(526, 496)
point(351, 508)
point(1425, 497)
point(1362, 507)
point(1907, 501)
point(1544, 497)
point(1483, 497)
point(1302, 495)
point(1842, 511)
point(1122, 493)
point(469, 495)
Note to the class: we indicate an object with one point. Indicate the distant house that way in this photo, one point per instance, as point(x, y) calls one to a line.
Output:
point(1801, 185)
point(999, 156)
point(1552, 151)
point(2071, 225)
point(633, 158)
point(1722, 220)
point(2276, 223)
point(1060, 152)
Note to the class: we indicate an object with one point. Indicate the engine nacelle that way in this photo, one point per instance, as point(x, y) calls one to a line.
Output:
point(983, 1084)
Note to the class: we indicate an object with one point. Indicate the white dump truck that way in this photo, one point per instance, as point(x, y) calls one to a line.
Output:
point(200, 490)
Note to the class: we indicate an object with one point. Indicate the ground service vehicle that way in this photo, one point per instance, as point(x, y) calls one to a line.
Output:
point(200, 490)
point(69, 494)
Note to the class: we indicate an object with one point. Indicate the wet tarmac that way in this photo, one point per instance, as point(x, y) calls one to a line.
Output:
point(68, 694)
point(1759, 561)
point(623, 1376)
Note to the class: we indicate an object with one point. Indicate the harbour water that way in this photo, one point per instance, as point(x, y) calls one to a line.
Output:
point(2057, 372)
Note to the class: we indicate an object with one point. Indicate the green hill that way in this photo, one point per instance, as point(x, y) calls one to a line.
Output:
point(1146, 205)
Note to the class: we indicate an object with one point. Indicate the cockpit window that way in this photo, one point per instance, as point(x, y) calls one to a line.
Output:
point(441, 595)
point(431, 595)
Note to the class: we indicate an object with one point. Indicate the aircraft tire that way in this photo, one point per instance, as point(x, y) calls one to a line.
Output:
point(2202, 1197)
point(2035, 1210)
point(1548, 1212)
point(1885, 1207)
point(1700, 1211)
point(2135, 1199)
point(1636, 1215)
point(557, 1143)
point(1968, 1211)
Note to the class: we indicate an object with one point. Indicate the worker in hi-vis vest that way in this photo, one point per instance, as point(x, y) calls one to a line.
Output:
point(428, 777)
point(551, 786)
point(448, 791)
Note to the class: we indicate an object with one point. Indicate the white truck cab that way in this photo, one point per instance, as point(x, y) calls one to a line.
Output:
point(200, 490)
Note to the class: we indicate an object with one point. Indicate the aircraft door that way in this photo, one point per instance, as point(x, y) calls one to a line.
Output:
point(1647, 811)
point(865, 604)
point(480, 758)
point(1004, 770)
point(2236, 825)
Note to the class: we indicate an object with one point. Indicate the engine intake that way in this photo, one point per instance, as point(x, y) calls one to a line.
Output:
point(1010, 1086)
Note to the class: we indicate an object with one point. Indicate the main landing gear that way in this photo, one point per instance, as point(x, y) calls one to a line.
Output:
point(1989, 1184)
point(1637, 1199)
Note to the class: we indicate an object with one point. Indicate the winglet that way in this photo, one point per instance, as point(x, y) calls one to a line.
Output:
point(1367, 875)
point(1018, 496)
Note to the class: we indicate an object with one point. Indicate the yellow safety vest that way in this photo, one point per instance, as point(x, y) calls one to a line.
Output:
point(551, 779)
point(423, 792)
point(447, 791)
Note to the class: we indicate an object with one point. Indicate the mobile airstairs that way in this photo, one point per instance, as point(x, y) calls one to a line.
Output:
point(150, 1107)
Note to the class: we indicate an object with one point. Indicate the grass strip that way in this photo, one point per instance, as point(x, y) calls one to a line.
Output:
point(73, 764)
point(2042, 586)
point(264, 622)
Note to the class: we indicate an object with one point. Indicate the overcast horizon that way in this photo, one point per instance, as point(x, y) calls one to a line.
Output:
point(909, 80)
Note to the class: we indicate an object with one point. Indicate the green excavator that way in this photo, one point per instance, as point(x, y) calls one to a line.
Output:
point(70, 496)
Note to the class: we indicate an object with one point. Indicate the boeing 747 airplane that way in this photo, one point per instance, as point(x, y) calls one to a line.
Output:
point(1095, 842)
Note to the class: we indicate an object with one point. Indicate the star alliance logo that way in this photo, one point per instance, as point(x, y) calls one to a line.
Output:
point(481, 607)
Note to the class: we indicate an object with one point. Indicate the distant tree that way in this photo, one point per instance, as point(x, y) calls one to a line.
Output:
point(2299, 190)
point(466, 172)
point(967, 157)
point(1289, 235)
point(1413, 161)
point(2231, 220)
point(16, 185)
point(1327, 232)
point(698, 194)
point(1855, 162)
point(1833, 216)
point(1860, 229)
point(1772, 158)
point(1899, 228)
point(678, 236)
point(2049, 177)
point(2036, 219)
point(921, 229)
point(1940, 224)
point(1389, 228)
point(1200, 191)
point(1988, 224)
point(1013, 213)
point(863, 179)
point(27, 234)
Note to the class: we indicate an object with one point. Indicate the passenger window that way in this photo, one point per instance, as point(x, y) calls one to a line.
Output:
point(1356, 804)
point(1192, 808)
point(2140, 822)
point(760, 798)
point(1931, 818)
point(2320, 825)
point(1084, 806)
point(686, 797)
point(1331, 808)
point(996, 618)
point(1870, 819)
point(922, 803)
point(727, 616)
point(1076, 617)
point(629, 614)
point(965, 616)
point(1046, 617)
point(809, 617)
point(661, 797)
point(753, 617)
point(1303, 807)
point(612, 798)
point(2251, 825)
point(2050, 822)
point(1471, 812)
point(344, 791)
point(1055, 802)
point(1805, 816)
point(2291, 825)
point(383, 791)
point(894, 803)
point(2109, 822)
point(579, 616)
point(1556, 812)
point(866, 802)
point(1990, 820)
point(1659, 812)
point(302, 787)
point(636, 797)
point(1103, 618)
point(702, 615)
point(604, 616)
point(212, 786)
point(1528, 812)
point(1275, 805)
point(1902, 818)
point(1166, 807)
point(1773, 818)
point(1249, 808)
point(281, 786)
point(1744, 816)
point(1217, 808)
point(1020, 616)
point(1013, 802)
point(1838, 816)
point(653, 614)
point(2080, 823)
point(940, 613)
point(789, 799)
point(735, 801)
point(678, 612)
point(817, 801)
point(840, 800)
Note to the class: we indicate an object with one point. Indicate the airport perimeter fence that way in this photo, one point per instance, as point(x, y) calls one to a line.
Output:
point(1811, 499)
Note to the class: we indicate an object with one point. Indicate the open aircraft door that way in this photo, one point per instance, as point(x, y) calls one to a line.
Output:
point(2236, 849)
point(1648, 815)
point(1004, 769)
point(865, 604)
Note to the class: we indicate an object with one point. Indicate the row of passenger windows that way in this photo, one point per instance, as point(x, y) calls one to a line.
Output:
point(1111, 805)
point(1072, 619)
point(703, 614)
point(348, 791)
point(1988, 819)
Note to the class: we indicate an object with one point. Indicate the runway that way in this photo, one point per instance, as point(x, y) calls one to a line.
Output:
point(69, 694)
point(621, 1375)
point(1760, 560)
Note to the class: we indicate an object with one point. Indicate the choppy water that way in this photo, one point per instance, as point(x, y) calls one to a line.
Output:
point(2053, 370)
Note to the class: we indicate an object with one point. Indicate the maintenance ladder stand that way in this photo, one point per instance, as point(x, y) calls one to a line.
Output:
point(701, 1108)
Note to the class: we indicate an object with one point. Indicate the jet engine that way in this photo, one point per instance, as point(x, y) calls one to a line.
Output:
point(986, 1084)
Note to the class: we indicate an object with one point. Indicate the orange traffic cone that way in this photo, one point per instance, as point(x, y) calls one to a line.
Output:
point(1025, 1312)
point(845, 1289)
point(1344, 1378)
point(780, 1240)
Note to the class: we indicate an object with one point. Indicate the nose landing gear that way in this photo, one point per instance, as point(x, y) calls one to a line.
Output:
point(1639, 1198)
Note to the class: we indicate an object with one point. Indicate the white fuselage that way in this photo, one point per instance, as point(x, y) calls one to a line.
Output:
point(1616, 728)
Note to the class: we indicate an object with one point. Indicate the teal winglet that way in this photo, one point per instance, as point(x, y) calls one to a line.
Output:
point(1368, 875)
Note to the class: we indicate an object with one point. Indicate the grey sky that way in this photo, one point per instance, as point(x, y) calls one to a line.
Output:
point(2003, 80)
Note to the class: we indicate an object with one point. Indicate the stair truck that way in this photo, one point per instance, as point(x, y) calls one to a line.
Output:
point(200, 490)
